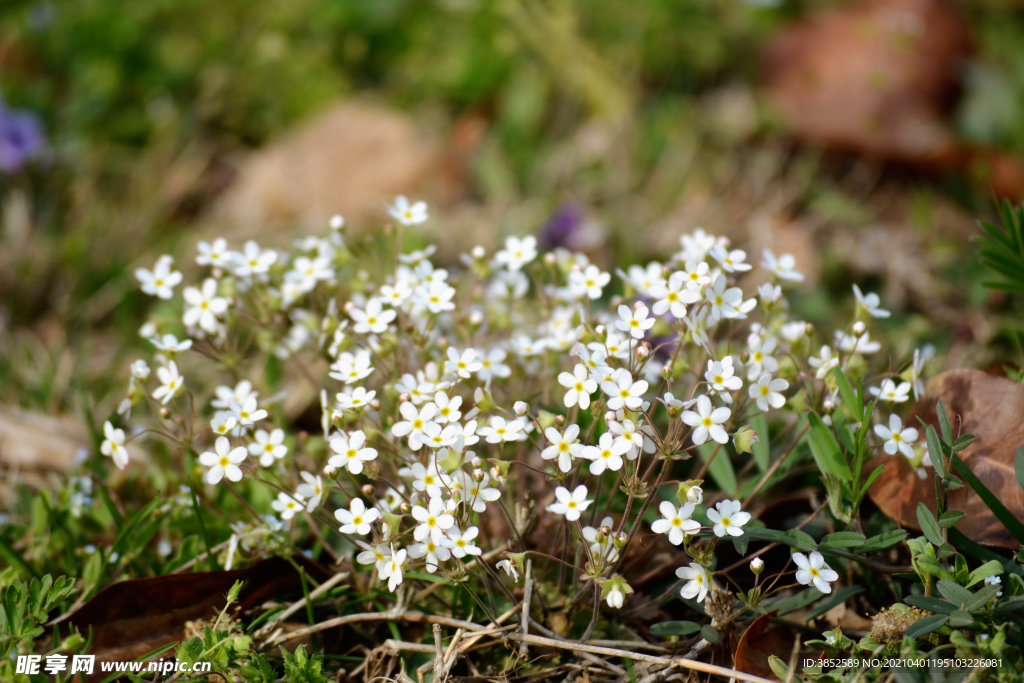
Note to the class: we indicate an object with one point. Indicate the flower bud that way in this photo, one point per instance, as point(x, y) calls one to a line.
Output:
point(610, 416)
point(165, 413)
point(643, 350)
point(666, 371)
point(605, 531)
point(476, 462)
point(405, 507)
point(757, 565)
point(550, 259)
point(559, 420)
point(829, 407)
point(478, 252)
point(691, 492)
point(619, 540)
point(809, 329)
point(602, 333)
point(478, 474)
point(375, 404)
point(744, 439)
point(442, 343)
point(476, 318)
point(521, 408)
point(367, 489)
point(638, 305)
point(337, 222)
point(403, 397)
point(349, 306)
point(859, 328)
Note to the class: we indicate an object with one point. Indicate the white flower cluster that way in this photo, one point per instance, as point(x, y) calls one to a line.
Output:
point(427, 368)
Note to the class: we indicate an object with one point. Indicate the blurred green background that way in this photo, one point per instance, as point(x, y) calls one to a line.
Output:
point(642, 115)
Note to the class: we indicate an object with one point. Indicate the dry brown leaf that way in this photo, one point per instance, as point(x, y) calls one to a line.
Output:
point(131, 618)
point(991, 408)
point(760, 641)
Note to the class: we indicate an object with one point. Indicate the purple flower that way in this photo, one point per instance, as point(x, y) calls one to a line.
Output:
point(21, 138)
point(562, 227)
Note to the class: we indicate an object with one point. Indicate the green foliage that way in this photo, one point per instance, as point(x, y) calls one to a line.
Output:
point(302, 669)
point(25, 606)
point(1001, 250)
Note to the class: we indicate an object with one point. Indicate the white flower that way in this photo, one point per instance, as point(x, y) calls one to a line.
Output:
point(761, 360)
point(435, 437)
point(433, 520)
point(312, 490)
point(766, 391)
point(498, 430)
point(478, 494)
point(517, 252)
point(356, 400)
point(696, 274)
point(673, 295)
point(607, 454)
point(579, 387)
point(897, 438)
point(697, 582)
point(634, 320)
point(813, 570)
point(204, 306)
point(268, 447)
point(461, 542)
point(170, 383)
point(677, 523)
point(570, 504)
point(170, 344)
point(224, 423)
point(357, 519)
point(247, 412)
point(437, 296)
point(392, 570)
point(643, 278)
point(891, 393)
point(623, 391)
point(427, 479)
point(769, 293)
point(161, 281)
point(509, 568)
point(565, 446)
point(725, 303)
point(600, 544)
point(113, 445)
point(351, 451)
point(253, 260)
point(707, 421)
point(588, 282)
point(140, 370)
point(870, 302)
point(286, 505)
point(722, 378)
point(921, 356)
point(447, 410)
point(414, 421)
point(696, 246)
point(861, 344)
point(626, 433)
point(732, 261)
point(433, 553)
point(242, 391)
point(825, 362)
point(223, 462)
point(406, 213)
point(594, 361)
point(728, 518)
point(352, 368)
point(378, 555)
point(216, 255)
point(463, 365)
point(397, 294)
point(782, 267)
point(374, 319)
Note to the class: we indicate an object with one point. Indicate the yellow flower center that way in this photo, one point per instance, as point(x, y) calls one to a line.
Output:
point(224, 461)
point(563, 446)
point(357, 520)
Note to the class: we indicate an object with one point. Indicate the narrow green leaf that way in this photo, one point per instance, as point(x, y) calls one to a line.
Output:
point(926, 625)
point(825, 450)
point(710, 634)
point(982, 597)
point(962, 442)
point(960, 618)
point(1012, 524)
point(675, 628)
point(202, 527)
point(882, 541)
point(947, 429)
point(929, 527)
point(837, 598)
point(14, 559)
point(850, 397)
point(929, 603)
point(871, 479)
point(801, 539)
point(935, 448)
point(843, 539)
point(1010, 604)
point(1018, 466)
point(122, 538)
point(972, 549)
point(762, 449)
point(720, 469)
point(954, 592)
point(779, 667)
point(429, 577)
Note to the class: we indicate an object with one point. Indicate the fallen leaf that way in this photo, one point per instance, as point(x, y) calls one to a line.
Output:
point(991, 408)
point(760, 641)
point(132, 618)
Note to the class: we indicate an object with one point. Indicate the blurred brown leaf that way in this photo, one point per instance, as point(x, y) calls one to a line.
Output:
point(132, 618)
point(760, 641)
point(991, 408)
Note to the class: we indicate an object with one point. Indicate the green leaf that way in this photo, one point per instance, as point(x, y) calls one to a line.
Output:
point(428, 577)
point(882, 541)
point(982, 597)
point(947, 429)
point(990, 568)
point(850, 397)
point(710, 634)
point(871, 478)
point(122, 538)
point(801, 539)
point(720, 469)
point(762, 449)
point(825, 450)
point(954, 592)
point(1012, 524)
point(962, 442)
point(675, 628)
point(935, 448)
point(837, 598)
point(926, 625)
point(202, 527)
point(1018, 466)
point(843, 539)
point(949, 518)
point(1010, 604)
point(929, 527)
point(952, 482)
point(779, 667)
point(960, 618)
point(14, 559)
point(931, 604)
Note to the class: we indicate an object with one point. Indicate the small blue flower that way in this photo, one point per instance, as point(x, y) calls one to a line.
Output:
point(21, 138)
